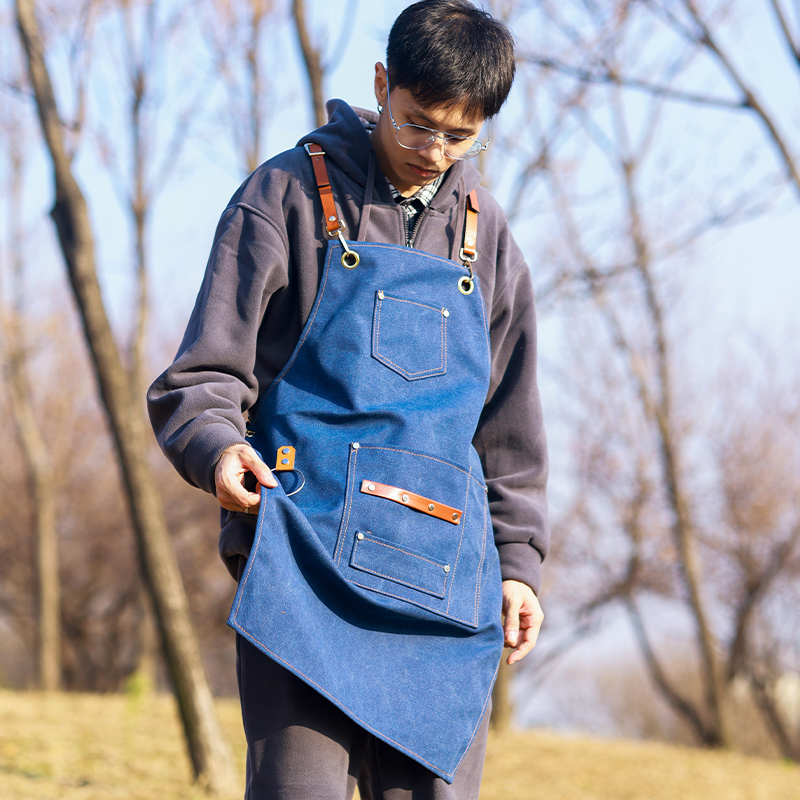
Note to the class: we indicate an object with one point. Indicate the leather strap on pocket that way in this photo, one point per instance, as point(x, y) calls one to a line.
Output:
point(419, 503)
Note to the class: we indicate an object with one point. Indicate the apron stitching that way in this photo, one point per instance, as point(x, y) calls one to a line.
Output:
point(421, 253)
point(401, 550)
point(253, 550)
point(441, 369)
point(350, 491)
point(412, 453)
point(460, 542)
point(392, 578)
point(445, 614)
point(485, 703)
point(483, 558)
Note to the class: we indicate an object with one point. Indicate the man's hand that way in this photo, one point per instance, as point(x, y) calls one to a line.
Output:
point(523, 618)
point(233, 465)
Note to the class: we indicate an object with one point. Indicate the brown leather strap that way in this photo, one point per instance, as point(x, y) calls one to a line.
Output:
point(470, 249)
point(324, 186)
point(415, 501)
point(285, 460)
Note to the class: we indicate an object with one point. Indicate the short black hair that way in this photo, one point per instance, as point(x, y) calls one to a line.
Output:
point(448, 52)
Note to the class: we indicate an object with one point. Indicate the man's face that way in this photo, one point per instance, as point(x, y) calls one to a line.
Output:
point(408, 170)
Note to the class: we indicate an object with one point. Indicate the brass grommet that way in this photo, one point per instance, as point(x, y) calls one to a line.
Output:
point(466, 285)
point(350, 259)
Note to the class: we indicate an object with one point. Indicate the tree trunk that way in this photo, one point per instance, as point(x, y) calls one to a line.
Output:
point(312, 60)
point(34, 449)
point(44, 513)
point(207, 748)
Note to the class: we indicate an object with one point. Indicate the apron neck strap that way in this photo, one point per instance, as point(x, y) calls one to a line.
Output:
point(469, 250)
point(333, 225)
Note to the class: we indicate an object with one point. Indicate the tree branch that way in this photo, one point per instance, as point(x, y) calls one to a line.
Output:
point(609, 77)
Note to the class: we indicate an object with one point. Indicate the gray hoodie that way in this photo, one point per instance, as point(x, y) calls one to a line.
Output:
point(259, 287)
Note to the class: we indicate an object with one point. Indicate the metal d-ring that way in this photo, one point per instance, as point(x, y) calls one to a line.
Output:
point(350, 258)
point(295, 491)
point(467, 283)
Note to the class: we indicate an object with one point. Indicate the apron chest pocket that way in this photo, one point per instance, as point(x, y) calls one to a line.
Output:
point(409, 337)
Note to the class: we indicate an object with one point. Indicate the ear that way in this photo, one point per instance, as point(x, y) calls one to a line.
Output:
point(381, 84)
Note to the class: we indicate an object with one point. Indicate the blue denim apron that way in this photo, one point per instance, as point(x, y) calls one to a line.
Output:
point(378, 583)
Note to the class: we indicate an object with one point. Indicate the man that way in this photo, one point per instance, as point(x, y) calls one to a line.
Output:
point(390, 376)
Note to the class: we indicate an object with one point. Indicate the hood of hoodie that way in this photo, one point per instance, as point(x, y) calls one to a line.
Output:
point(345, 140)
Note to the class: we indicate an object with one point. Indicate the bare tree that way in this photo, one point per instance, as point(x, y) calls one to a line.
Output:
point(236, 32)
point(316, 64)
point(29, 428)
point(208, 750)
point(142, 34)
point(614, 243)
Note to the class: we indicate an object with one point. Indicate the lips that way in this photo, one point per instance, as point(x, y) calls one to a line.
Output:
point(427, 174)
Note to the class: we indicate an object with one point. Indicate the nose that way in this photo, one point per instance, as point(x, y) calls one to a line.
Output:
point(434, 152)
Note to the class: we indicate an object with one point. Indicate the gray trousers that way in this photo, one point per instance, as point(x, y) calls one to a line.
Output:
point(301, 747)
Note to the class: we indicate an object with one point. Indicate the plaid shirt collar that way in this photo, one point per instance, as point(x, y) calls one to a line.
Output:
point(423, 196)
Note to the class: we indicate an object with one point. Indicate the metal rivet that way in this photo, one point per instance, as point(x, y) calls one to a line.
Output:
point(360, 536)
point(371, 487)
point(431, 507)
point(380, 295)
point(356, 445)
point(331, 219)
point(284, 461)
point(405, 498)
point(447, 568)
point(285, 451)
point(455, 517)
point(445, 312)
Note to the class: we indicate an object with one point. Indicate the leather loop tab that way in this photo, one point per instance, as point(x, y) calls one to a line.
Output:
point(419, 503)
point(332, 222)
point(285, 459)
point(470, 249)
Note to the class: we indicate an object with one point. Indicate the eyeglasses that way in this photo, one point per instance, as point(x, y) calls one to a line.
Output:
point(417, 137)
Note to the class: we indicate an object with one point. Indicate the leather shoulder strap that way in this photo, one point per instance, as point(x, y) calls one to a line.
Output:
point(332, 222)
point(469, 251)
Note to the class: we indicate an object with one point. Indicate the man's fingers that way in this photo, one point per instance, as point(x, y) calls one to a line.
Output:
point(523, 619)
point(233, 465)
point(262, 473)
point(511, 624)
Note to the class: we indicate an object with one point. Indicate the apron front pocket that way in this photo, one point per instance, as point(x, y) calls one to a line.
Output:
point(398, 564)
point(409, 337)
point(414, 532)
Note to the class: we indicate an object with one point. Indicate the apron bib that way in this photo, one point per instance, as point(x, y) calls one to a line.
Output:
point(378, 582)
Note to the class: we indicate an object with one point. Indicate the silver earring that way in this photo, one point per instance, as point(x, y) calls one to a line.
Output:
point(380, 109)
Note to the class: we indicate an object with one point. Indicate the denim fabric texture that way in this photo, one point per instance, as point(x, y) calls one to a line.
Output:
point(391, 613)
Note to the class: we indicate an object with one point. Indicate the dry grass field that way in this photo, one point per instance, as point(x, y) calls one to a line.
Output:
point(99, 747)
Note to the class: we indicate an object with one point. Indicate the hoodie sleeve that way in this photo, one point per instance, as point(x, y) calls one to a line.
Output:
point(196, 406)
point(510, 437)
